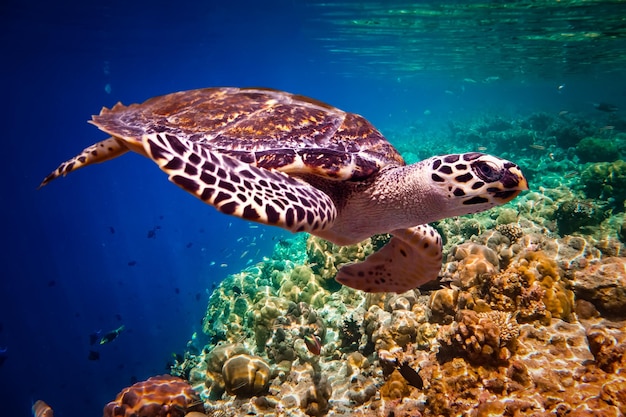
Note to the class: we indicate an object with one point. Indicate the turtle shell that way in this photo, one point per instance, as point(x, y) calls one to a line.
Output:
point(267, 128)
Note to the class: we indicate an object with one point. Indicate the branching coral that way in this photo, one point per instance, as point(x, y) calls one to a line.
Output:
point(484, 338)
point(350, 334)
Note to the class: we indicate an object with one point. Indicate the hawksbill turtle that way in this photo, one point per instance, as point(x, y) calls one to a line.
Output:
point(290, 161)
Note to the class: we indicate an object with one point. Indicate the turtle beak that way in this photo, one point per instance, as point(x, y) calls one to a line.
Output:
point(513, 183)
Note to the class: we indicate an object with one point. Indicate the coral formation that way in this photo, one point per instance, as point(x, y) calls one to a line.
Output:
point(593, 149)
point(512, 231)
point(483, 338)
point(604, 284)
point(573, 215)
point(606, 181)
point(246, 375)
point(159, 396)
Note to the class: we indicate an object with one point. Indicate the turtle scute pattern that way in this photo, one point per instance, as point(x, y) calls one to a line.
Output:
point(266, 128)
point(236, 188)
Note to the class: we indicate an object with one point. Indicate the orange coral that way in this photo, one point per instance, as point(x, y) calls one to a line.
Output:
point(539, 267)
point(395, 388)
point(159, 396)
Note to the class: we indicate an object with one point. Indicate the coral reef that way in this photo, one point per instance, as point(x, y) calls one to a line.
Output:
point(519, 328)
point(159, 396)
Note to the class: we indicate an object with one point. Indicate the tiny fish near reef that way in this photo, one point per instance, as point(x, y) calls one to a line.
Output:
point(300, 164)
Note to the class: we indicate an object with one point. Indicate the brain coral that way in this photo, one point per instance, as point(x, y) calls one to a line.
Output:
point(246, 375)
point(159, 396)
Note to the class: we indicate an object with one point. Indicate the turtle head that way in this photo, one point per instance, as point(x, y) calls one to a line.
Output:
point(474, 182)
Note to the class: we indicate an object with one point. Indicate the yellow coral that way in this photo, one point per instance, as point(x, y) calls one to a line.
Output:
point(395, 388)
point(537, 266)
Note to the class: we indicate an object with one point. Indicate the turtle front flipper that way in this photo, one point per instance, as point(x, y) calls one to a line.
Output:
point(98, 152)
point(410, 259)
point(243, 190)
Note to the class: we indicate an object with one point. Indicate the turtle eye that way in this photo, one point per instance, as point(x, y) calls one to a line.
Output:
point(486, 171)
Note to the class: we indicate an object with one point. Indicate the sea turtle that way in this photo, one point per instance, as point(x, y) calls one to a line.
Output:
point(297, 163)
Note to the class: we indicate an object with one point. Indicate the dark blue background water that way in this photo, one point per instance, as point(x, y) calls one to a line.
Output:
point(77, 256)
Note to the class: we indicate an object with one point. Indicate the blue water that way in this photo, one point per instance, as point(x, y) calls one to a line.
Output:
point(117, 243)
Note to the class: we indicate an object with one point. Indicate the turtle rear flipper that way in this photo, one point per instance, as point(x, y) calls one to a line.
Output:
point(410, 259)
point(234, 187)
point(98, 152)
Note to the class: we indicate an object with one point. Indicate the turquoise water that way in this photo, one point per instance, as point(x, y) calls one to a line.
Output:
point(116, 244)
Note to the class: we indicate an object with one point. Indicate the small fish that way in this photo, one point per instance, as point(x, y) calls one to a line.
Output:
point(211, 263)
point(243, 254)
point(469, 80)
point(111, 336)
point(253, 226)
point(538, 147)
point(93, 355)
point(41, 409)
point(132, 263)
point(411, 376)
point(561, 87)
point(223, 265)
point(313, 344)
point(190, 244)
point(482, 148)
point(571, 174)
point(563, 112)
point(151, 234)
point(112, 230)
point(606, 128)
